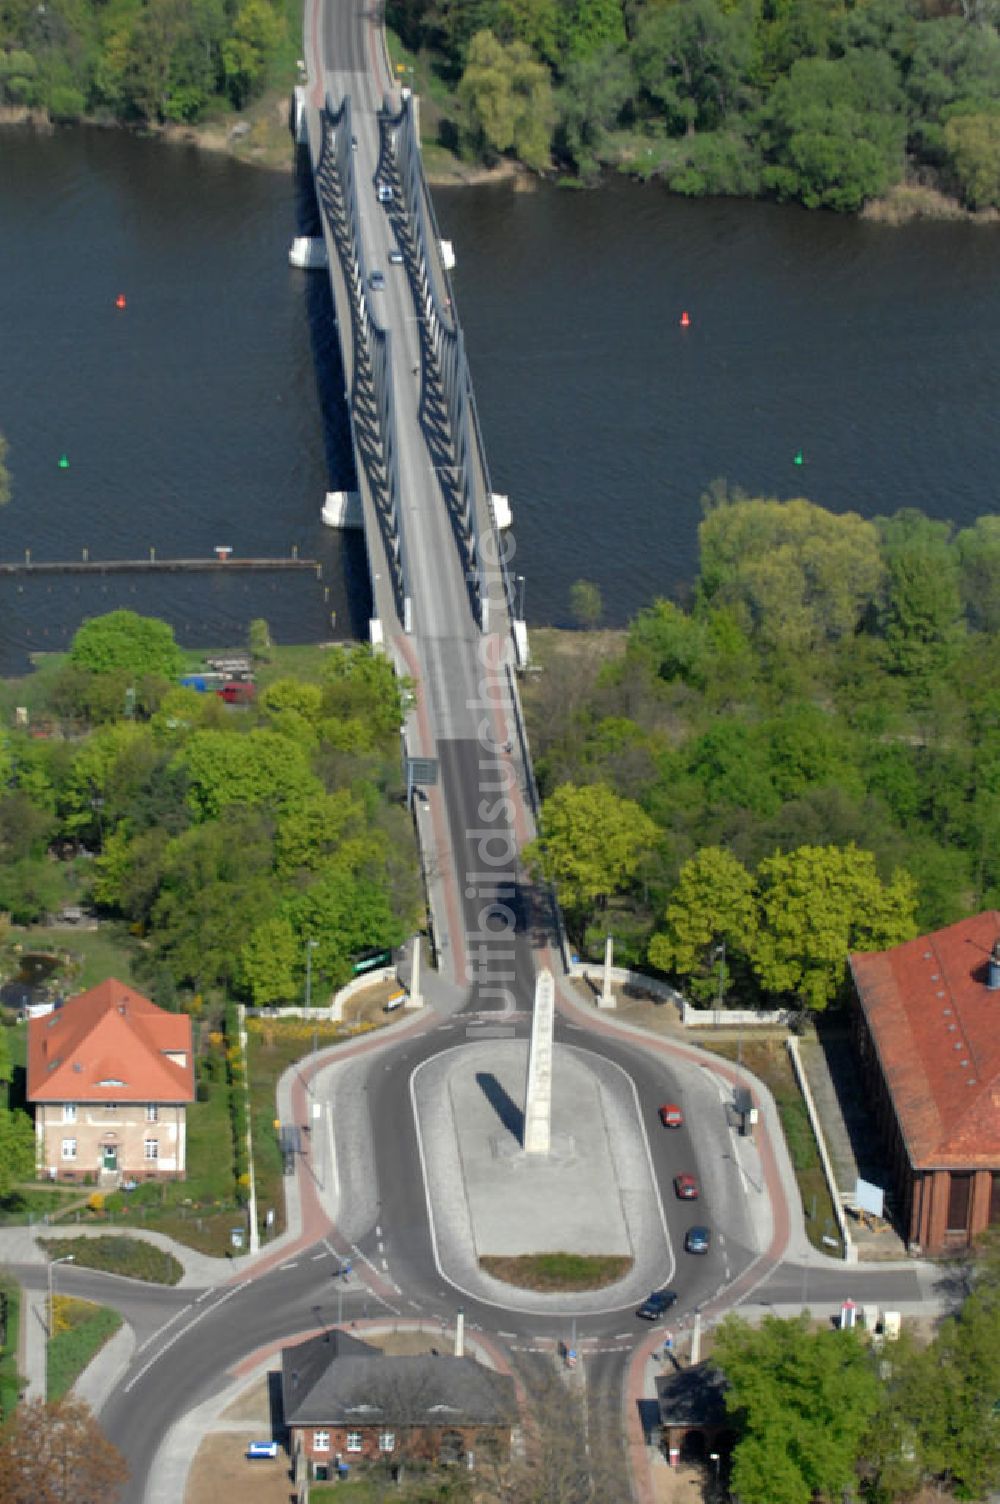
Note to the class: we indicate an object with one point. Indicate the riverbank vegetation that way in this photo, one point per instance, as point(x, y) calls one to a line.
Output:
point(827, 104)
point(803, 762)
point(140, 64)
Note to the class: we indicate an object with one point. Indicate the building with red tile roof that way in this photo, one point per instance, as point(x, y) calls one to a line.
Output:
point(927, 1029)
point(110, 1075)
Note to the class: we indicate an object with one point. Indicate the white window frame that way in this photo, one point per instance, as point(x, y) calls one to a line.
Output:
point(152, 1113)
point(387, 1441)
point(151, 1150)
point(69, 1112)
point(355, 1441)
point(69, 1148)
point(321, 1441)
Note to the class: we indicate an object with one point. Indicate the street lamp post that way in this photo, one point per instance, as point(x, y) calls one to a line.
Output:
point(715, 1459)
point(68, 1258)
point(520, 597)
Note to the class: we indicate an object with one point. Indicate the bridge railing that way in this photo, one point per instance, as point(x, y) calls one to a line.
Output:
point(373, 410)
point(441, 313)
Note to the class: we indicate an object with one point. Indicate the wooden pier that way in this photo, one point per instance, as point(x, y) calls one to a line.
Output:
point(153, 565)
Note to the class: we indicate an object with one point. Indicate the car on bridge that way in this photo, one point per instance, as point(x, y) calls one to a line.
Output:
point(697, 1240)
point(384, 193)
point(656, 1305)
point(671, 1115)
point(377, 281)
point(686, 1187)
point(395, 256)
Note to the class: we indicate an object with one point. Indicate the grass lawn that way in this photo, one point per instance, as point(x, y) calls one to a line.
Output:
point(558, 1271)
point(272, 1046)
point(768, 1059)
point(81, 1330)
point(9, 1382)
point(200, 1211)
point(132, 1257)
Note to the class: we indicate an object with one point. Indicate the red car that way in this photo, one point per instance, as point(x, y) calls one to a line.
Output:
point(671, 1115)
point(686, 1187)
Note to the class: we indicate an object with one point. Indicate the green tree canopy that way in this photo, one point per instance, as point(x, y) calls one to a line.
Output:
point(714, 901)
point(17, 1148)
point(591, 845)
point(258, 768)
point(506, 99)
point(796, 575)
point(836, 130)
point(803, 1399)
point(124, 642)
point(924, 622)
point(816, 904)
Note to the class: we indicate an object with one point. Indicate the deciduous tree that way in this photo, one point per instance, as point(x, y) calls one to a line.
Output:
point(817, 904)
point(714, 901)
point(122, 640)
point(804, 1401)
point(57, 1454)
point(592, 844)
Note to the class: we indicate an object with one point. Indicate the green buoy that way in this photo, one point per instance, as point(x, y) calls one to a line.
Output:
point(63, 462)
point(799, 460)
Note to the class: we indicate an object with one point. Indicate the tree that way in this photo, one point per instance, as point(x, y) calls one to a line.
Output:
point(835, 130)
point(258, 768)
point(817, 904)
point(804, 1401)
point(506, 99)
point(310, 831)
point(714, 901)
point(57, 1454)
point(345, 915)
point(978, 549)
point(247, 53)
point(923, 612)
point(593, 94)
point(271, 963)
point(973, 143)
point(259, 640)
point(31, 889)
point(796, 575)
point(17, 1149)
point(122, 640)
point(591, 845)
point(690, 60)
point(586, 605)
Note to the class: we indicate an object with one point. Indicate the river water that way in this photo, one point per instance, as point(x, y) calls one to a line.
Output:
point(209, 411)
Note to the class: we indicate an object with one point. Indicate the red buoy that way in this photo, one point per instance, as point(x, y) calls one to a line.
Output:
point(120, 301)
point(685, 320)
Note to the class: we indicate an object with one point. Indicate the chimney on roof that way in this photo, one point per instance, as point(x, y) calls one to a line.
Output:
point(993, 973)
point(123, 1006)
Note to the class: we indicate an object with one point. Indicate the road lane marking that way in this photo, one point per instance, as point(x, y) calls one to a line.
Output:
point(205, 1294)
point(292, 1265)
point(160, 1329)
point(234, 1290)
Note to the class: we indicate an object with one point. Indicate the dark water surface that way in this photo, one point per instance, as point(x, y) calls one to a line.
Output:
point(194, 417)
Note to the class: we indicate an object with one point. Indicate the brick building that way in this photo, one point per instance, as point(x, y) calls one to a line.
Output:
point(346, 1403)
point(927, 1030)
point(110, 1075)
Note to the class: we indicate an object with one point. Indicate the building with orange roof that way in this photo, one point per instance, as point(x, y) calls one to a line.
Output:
point(110, 1076)
point(927, 1029)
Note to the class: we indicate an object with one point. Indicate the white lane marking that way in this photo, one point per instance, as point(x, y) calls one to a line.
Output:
point(292, 1265)
point(506, 1334)
point(161, 1329)
point(182, 1332)
point(363, 1257)
point(317, 1256)
point(385, 1266)
point(205, 1294)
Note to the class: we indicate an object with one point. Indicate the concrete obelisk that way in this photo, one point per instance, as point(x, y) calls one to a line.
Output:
point(538, 1095)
